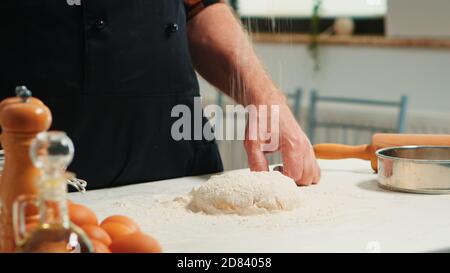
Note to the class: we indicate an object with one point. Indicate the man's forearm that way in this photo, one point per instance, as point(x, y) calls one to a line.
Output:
point(223, 55)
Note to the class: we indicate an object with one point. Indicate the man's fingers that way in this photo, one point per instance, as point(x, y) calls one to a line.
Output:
point(257, 161)
point(318, 174)
point(293, 165)
point(309, 172)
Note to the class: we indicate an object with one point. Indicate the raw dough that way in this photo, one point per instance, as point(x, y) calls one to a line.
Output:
point(245, 194)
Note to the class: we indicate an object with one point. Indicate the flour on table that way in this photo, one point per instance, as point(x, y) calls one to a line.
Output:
point(246, 194)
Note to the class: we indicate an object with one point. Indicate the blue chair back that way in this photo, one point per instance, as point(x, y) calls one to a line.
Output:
point(313, 123)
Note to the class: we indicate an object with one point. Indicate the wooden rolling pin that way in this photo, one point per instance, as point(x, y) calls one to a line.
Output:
point(379, 141)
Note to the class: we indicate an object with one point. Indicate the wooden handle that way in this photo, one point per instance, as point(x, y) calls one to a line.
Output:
point(338, 151)
point(392, 140)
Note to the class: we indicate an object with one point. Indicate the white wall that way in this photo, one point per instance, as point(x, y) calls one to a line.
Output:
point(418, 18)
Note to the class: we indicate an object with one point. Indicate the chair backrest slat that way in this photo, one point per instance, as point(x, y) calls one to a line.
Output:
point(313, 123)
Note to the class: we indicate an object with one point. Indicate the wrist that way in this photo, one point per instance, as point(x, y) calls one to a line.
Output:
point(267, 96)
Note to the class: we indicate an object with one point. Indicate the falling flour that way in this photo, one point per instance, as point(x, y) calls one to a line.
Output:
point(246, 194)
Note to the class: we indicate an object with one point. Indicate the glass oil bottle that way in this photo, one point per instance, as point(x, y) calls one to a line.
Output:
point(51, 152)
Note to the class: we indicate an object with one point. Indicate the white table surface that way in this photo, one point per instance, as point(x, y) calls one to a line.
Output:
point(346, 212)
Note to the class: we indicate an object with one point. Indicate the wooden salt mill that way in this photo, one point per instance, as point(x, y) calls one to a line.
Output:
point(21, 119)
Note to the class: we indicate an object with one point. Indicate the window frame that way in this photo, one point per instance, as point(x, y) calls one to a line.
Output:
point(363, 25)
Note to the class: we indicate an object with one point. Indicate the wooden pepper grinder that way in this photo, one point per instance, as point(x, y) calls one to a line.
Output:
point(21, 119)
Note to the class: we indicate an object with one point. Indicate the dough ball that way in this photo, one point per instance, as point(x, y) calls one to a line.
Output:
point(246, 194)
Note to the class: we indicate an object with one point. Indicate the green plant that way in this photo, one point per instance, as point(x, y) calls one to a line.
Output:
point(315, 32)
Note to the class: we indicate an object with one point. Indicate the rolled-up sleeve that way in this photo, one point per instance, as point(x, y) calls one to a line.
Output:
point(193, 7)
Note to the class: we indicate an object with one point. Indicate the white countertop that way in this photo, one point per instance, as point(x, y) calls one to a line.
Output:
point(346, 212)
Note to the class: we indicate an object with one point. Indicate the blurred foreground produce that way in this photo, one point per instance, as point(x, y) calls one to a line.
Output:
point(35, 215)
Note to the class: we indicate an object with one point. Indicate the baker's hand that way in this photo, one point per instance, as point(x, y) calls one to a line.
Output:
point(299, 161)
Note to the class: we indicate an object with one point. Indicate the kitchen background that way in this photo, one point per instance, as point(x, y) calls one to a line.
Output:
point(365, 49)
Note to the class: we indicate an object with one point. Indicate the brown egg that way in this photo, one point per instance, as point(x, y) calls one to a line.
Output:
point(81, 215)
point(135, 243)
point(97, 233)
point(32, 218)
point(99, 247)
point(116, 230)
point(29, 227)
point(123, 220)
point(32, 222)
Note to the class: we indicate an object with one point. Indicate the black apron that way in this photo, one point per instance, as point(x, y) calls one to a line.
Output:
point(111, 72)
